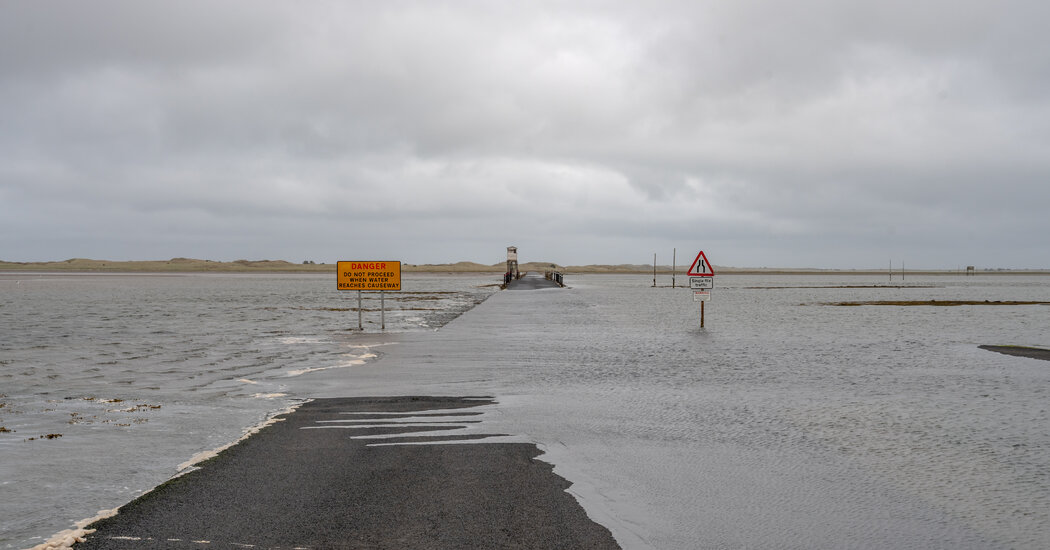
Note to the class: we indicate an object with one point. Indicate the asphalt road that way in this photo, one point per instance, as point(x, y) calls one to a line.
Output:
point(308, 482)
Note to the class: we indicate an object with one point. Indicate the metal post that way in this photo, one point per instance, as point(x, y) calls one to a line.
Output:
point(674, 264)
point(382, 309)
point(360, 326)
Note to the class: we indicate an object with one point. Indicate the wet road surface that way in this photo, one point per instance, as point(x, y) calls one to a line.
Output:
point(317, 479)
point(531, 281)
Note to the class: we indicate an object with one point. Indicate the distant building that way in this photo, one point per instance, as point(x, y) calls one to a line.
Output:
point(512, 261)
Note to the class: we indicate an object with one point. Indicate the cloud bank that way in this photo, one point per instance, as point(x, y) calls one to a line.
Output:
point(809, 134)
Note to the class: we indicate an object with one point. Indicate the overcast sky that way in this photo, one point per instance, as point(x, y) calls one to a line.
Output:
point(832, 134)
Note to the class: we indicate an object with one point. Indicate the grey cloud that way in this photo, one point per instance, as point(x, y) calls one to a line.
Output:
point(853, 127)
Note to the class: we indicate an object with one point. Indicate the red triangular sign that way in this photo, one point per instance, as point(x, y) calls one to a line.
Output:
point(701, 267)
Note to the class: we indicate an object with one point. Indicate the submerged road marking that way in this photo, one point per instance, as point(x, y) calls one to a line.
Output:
point(444, 426)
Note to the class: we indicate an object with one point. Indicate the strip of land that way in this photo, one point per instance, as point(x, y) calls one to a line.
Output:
point(362, 473)
point(190, 265)
point(1021, 351)
point(937, 303)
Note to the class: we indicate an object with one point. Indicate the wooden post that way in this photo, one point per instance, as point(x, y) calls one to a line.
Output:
point(360, 325)
point(654, 269)
point(701, 314)
point(674, 264)
point(382, 309)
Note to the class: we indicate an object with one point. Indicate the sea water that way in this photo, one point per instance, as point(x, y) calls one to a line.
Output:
point(784, 423)
point(110, 382)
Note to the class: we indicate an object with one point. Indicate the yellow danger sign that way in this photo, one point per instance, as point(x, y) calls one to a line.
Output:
point(368, 275)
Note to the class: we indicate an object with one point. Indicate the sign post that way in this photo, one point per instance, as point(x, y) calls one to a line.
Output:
point(701, 281)
point(378, 276)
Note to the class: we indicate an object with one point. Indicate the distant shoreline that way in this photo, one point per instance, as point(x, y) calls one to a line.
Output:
point(189, 265)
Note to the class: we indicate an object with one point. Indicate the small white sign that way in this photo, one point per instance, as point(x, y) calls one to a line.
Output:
point(701, 295)
point(701, 283)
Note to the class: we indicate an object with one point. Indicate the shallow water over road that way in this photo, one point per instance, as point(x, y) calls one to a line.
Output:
point(783, 424)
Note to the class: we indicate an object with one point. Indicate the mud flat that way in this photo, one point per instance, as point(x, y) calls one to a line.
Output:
point(1021, 351)
point(938, 303)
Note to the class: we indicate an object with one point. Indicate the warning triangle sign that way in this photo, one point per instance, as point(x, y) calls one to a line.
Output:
point(701, 267)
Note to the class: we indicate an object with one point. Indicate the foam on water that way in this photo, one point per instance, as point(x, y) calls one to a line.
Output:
point(67, 538)
point(190, 464)
point(357, 361)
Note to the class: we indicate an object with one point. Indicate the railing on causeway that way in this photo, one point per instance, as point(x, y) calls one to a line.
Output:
point(555, 276)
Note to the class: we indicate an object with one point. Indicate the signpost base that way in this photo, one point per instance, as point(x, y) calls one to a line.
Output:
point(701, 314)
